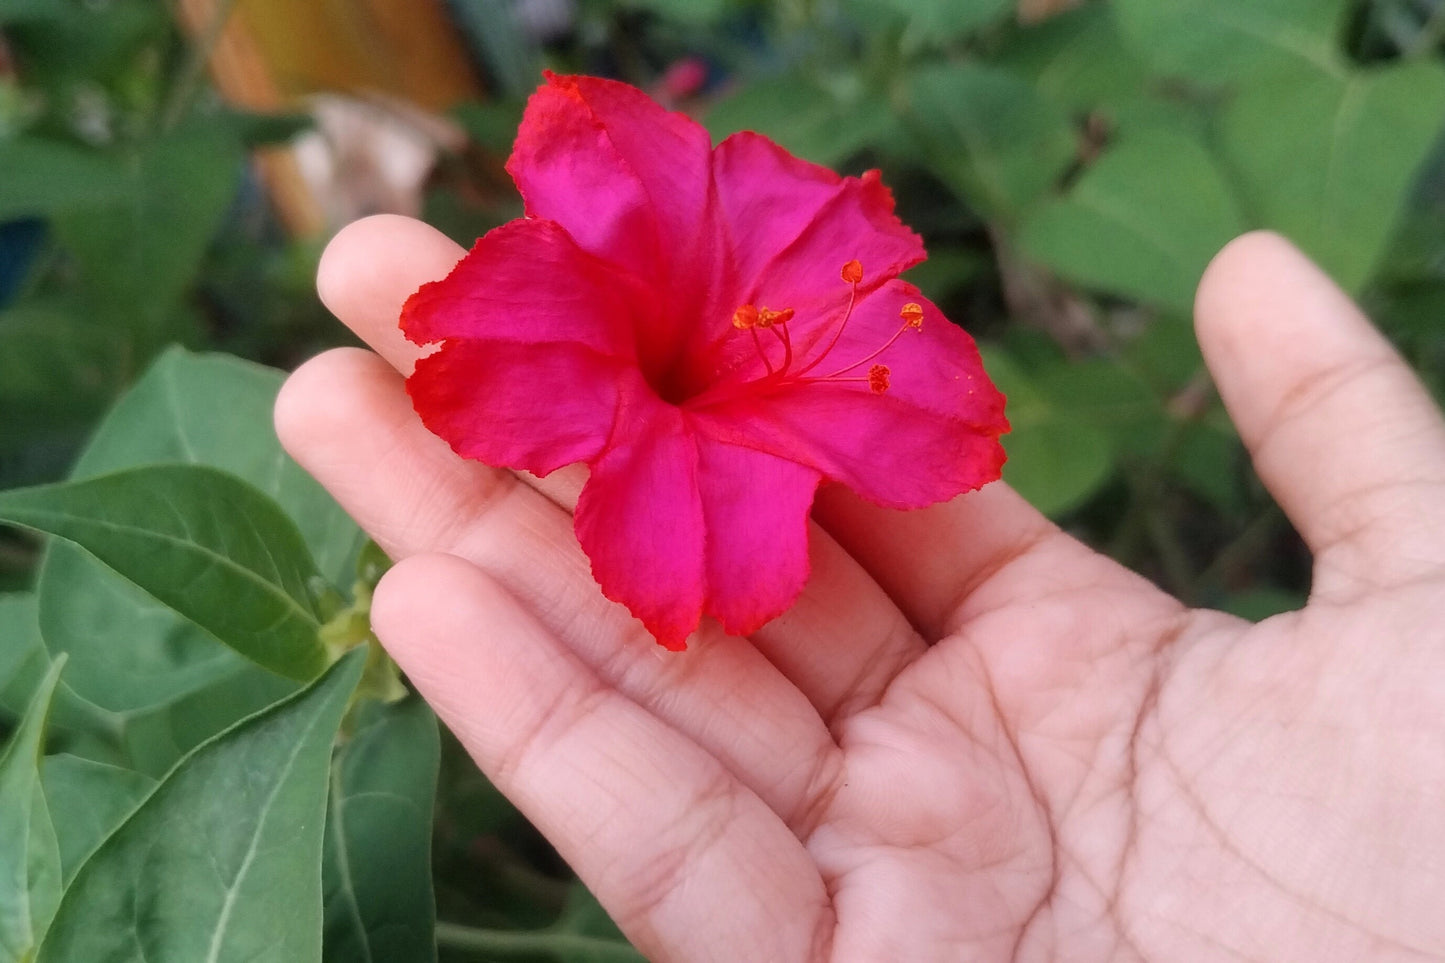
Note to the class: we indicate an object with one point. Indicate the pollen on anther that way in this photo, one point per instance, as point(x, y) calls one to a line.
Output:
point(745, 317)
point(878, 379)
point(767, 317)
point(852, 272)
point(912, 313)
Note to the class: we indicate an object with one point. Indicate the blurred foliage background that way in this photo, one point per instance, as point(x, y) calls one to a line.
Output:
point(169, 172)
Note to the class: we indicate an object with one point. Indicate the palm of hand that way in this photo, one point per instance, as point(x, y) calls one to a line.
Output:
point(1078, 768)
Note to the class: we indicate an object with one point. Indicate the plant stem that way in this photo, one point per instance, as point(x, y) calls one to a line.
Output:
point(517, 942)
point(188, 81)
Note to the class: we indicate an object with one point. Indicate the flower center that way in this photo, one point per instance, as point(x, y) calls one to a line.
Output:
point(754, 319)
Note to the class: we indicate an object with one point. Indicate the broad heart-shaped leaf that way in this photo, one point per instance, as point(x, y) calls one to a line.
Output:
point(29, 856)
point(377, 871)
point(1143, 221)
point(128, 651)
point(1220, 40)
point(87, 800)
point(222, 862)
point(201, 541)
point(939, 21)
point(1329, 158)
point(989, 135)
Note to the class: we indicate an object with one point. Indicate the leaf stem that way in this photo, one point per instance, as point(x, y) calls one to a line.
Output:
point(198, 55)
point(518, 942)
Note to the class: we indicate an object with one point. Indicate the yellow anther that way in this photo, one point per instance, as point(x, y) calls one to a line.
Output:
point(852, 272)
point(767, 317)
point(878, 379)
point(912, 313)
point(745, 317)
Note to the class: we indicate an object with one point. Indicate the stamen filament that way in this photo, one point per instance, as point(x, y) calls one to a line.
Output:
point(758, 343)
point(852, 299)
point(862, 361)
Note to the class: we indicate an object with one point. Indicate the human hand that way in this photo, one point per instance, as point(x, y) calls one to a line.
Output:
point(972, 737)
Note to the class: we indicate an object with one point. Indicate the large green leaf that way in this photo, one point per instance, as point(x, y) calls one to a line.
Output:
point(139, 254)
point(29, 855)
point(87, 800)
point(377, 875)
point(989, 134)
point(1078, 59)
point(44, 177)
point(1056, 459)
point(127, 650)
point(1329, 159)
point(222, 862)
point(1144, 221)
point(201, 541)
point(1219, 40)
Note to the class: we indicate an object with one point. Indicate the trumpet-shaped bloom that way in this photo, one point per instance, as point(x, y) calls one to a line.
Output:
point(715, 332)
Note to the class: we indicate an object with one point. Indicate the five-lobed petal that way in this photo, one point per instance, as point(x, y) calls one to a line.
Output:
point(689, 323)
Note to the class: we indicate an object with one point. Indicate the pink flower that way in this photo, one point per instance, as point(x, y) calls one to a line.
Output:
point(714, 332)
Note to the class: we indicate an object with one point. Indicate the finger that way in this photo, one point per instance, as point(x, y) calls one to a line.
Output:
point(947, 563)
point(692, 865)
point(369, 270)
point(346, 418)
point(1341, 432)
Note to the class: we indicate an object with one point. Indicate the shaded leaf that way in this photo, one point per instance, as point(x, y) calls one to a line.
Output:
point(29, 856)
point(822, 125)
point(377, 871)
point(1329, 159)
point(202, 542)
point(1218, 40)
point(989, 135)
point(87, 800)
point(1056, 459)
point(222, 861)
point(1143, 221)
point(45, 177)
point(934, 22)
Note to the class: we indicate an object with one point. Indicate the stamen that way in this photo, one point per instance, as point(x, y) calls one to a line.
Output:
point(751, 318)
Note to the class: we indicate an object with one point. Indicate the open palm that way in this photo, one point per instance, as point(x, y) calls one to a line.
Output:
point(972, 738)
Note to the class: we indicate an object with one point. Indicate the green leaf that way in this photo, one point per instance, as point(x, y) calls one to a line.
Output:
point(1113, 399)
point(127, 650)
point(1144, 221)
point(824, 125)
point(139, 255)
point(202, 542)
point(377, 873)
point(59, 368)
point(989, 135)
point(1078, 59)
point(1329, 159)
point(937, 22)
point(87, 800)
point(1056, 459)
point(45, 177)
point(1218, 40)
point(224, 856)
point(29, 856)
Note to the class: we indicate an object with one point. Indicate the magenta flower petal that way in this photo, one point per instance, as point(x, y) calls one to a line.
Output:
point(475, 395)
point(792, 225)
point(755, 509)
point(640, 520)
point(526, 282)
point(714, 333)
